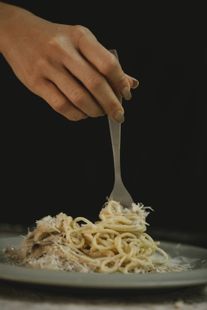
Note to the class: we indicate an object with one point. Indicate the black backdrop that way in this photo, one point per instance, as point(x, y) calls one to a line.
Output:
point(49, 164)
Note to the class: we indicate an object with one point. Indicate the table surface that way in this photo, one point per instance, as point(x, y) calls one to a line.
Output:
point(13, 296)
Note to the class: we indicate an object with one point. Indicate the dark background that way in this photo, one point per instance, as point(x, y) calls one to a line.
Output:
point(49, 164)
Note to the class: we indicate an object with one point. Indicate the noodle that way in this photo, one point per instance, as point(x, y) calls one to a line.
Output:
point(118, 242)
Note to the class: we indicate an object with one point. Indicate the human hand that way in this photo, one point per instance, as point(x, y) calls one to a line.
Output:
point(65, 65)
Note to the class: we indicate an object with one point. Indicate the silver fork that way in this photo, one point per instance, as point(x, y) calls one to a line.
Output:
point(119, 192)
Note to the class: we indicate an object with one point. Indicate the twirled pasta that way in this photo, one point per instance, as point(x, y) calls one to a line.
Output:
point(117, 242)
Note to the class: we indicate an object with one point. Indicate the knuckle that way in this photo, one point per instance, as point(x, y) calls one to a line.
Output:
point(56, 45)
point(40, 63)
point(123, 82)
point(81, 30)
point(109, 65)
point(94, 115)
point(33, 83)
point(77, 97)
point(95, 83)
point(123, 79)
point(60, 48)
point(58, 105)
point(75, 116)
point(96, 112)
point(53, 42)
point(40, 66)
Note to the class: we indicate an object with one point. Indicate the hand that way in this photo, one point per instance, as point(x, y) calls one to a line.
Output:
point(65, 65)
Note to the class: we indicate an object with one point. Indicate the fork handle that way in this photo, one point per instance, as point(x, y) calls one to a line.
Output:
point(115, 132)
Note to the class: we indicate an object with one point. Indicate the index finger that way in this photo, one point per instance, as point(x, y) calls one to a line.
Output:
point(105, 62)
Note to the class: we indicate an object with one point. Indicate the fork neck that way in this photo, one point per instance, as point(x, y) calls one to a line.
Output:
point(115, 131)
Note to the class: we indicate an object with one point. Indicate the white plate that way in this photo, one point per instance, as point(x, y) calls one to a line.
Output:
point(196, 276)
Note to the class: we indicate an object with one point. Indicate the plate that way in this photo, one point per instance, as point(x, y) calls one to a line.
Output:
point(197, 275)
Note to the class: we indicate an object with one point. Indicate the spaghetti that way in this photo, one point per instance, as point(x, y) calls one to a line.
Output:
point(118, 242)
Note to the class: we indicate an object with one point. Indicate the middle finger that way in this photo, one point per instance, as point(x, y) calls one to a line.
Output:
point(96, 84)
point(75, 92)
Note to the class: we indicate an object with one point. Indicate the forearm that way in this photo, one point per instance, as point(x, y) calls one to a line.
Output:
point(9, 15)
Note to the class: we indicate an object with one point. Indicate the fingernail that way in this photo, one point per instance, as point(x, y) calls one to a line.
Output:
point(126, 93)
point(119, 116)
point(135, 83)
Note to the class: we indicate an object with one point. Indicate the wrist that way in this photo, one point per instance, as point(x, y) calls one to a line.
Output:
point(9, 19)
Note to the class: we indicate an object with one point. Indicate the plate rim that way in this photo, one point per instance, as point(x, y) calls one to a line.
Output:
point(102, 281)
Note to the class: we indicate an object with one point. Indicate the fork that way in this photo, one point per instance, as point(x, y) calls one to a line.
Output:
point(119, 192)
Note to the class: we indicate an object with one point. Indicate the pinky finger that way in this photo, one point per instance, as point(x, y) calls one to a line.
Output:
point(57, 100)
